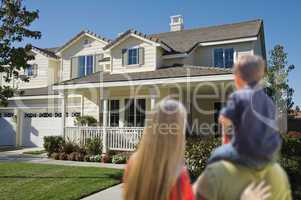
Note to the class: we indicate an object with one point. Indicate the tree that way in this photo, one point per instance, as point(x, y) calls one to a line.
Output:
point(15, 21)
point(277, 79)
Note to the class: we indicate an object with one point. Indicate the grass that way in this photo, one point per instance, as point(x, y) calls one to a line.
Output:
point(37, 152)
point(39, 181)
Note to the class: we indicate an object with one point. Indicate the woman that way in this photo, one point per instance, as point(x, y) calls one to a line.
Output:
point(157, 171)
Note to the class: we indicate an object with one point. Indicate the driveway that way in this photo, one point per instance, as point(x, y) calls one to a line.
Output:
point(112, 193)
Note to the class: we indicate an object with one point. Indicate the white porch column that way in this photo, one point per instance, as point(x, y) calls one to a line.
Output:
point(63, 111)
point(105, 103)
point(121, 112)
point(153, 91)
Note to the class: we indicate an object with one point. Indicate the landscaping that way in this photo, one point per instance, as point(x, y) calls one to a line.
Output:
point(39, 181)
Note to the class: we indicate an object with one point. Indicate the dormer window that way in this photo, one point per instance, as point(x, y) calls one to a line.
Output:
point(31, 70)
point(133, 58)
point(224, 57)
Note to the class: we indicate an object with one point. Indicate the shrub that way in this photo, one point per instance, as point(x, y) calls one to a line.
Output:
point(55, 156)
point(53, 144)
point(95, 158)
point(119, 159)
point(198, 150)
point(69, 147)
point(79, 157)
point(94, 146)
point(106, 158)
point(63, 156)
point(72, 156)
point(85, 121)
point(87, 158)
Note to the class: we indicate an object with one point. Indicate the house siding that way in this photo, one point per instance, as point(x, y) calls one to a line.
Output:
point(150, 55)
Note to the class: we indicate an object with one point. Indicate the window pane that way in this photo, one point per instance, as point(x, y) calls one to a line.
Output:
point(229, 57)
point(133, 56)
point(114, 113)
point(29, 70)
point(140, 112)
point(81, 66)
point(129, 112)
point(218, 58)
point(89, 65)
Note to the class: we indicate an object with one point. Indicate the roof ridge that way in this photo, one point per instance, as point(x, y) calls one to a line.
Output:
point(211, 26)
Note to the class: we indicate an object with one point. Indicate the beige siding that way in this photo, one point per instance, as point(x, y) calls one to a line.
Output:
point(79, 49)
point(150, 55)
point(53, 71)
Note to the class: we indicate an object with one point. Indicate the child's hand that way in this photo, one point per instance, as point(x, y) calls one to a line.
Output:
point(226, 124)
point(259, 192)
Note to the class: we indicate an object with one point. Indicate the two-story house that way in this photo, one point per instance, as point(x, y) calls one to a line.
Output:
point(119, 81)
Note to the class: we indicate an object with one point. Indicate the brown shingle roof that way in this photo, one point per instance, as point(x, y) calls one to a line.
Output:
point(169, 72)
point(185, 40)
point(45, 52)
point(81, 33)
point(37, 91)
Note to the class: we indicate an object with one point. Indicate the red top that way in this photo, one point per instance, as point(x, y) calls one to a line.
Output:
point(182, 190)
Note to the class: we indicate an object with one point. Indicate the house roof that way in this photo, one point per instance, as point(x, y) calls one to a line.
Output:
point(37, 91)
point(133, 31)
point(79, 35)
point(168, 72)
point(46, 52)
point(185, 40)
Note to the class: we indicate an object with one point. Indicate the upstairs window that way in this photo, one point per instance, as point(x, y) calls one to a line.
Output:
point(133, 56)
point(31, 70)
point(82, 66)
point(224, 57)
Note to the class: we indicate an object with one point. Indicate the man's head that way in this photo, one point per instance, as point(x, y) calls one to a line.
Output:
point(248, 69)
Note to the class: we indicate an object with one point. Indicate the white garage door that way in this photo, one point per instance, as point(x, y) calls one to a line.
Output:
point(35, 127)
point(7, 129)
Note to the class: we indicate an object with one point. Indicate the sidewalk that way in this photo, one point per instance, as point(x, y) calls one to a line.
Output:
point(112, 193)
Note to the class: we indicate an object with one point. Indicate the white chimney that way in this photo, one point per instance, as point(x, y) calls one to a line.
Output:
point(176, 23)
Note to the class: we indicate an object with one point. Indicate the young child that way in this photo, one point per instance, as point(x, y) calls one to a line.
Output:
point(252, 114)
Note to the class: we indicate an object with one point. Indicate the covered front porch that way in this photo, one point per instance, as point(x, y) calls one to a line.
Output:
point(122, 109)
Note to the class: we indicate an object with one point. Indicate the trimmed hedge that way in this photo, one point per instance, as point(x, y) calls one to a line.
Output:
point(53, 144)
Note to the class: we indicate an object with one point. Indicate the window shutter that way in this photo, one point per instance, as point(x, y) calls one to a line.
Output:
point(35, 70)
point(141, 56)
point(74, 67)
point(124, 57)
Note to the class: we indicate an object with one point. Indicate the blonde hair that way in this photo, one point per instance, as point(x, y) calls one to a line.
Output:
point(250, 68)
point(156, 165)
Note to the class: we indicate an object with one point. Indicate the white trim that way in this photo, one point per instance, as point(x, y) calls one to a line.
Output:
point(181, 55)
point(35, 97)
point(59, 53)
point(223, 48)
point(43, 97)
point(162, 81)
point(228, 41)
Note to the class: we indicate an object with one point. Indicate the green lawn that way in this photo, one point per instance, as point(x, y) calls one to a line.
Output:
point(38, 152)
point(23, 181)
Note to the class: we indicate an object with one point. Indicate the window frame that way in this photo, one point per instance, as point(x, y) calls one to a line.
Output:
point(134, 115)
point(224, 49)
point(136, 49)
point(85, 64)
point(34, 72)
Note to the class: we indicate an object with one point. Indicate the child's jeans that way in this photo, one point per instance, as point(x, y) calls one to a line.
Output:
point(229, 153)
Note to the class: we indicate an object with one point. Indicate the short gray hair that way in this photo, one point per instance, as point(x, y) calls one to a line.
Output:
point(250, 68)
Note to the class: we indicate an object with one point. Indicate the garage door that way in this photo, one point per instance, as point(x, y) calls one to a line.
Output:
point(38, 124)
point(7, 129)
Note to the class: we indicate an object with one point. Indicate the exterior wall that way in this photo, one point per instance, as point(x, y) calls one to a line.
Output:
point(150, 55)
point(79, 49)
point(53, 72)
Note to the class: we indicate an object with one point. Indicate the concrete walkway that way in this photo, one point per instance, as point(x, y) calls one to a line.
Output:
point(112, 193)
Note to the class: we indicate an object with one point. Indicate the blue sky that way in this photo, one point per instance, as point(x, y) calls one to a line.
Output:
point(62, 19)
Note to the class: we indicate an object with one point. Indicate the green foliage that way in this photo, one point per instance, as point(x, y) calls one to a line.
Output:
point(53, 144)
point(94, 146)
point(120, 158)
point(291, 162)
point(85, 121)
point(69, 147)
point(14, 28)
point(277, 78)
point(55, 156)
point(63, 156)
point(198, 150)
point(95, 158)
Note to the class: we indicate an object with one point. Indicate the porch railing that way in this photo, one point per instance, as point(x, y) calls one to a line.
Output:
point(117, 138)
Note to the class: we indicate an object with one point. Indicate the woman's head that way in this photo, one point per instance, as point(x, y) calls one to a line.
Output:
point(160, 155)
